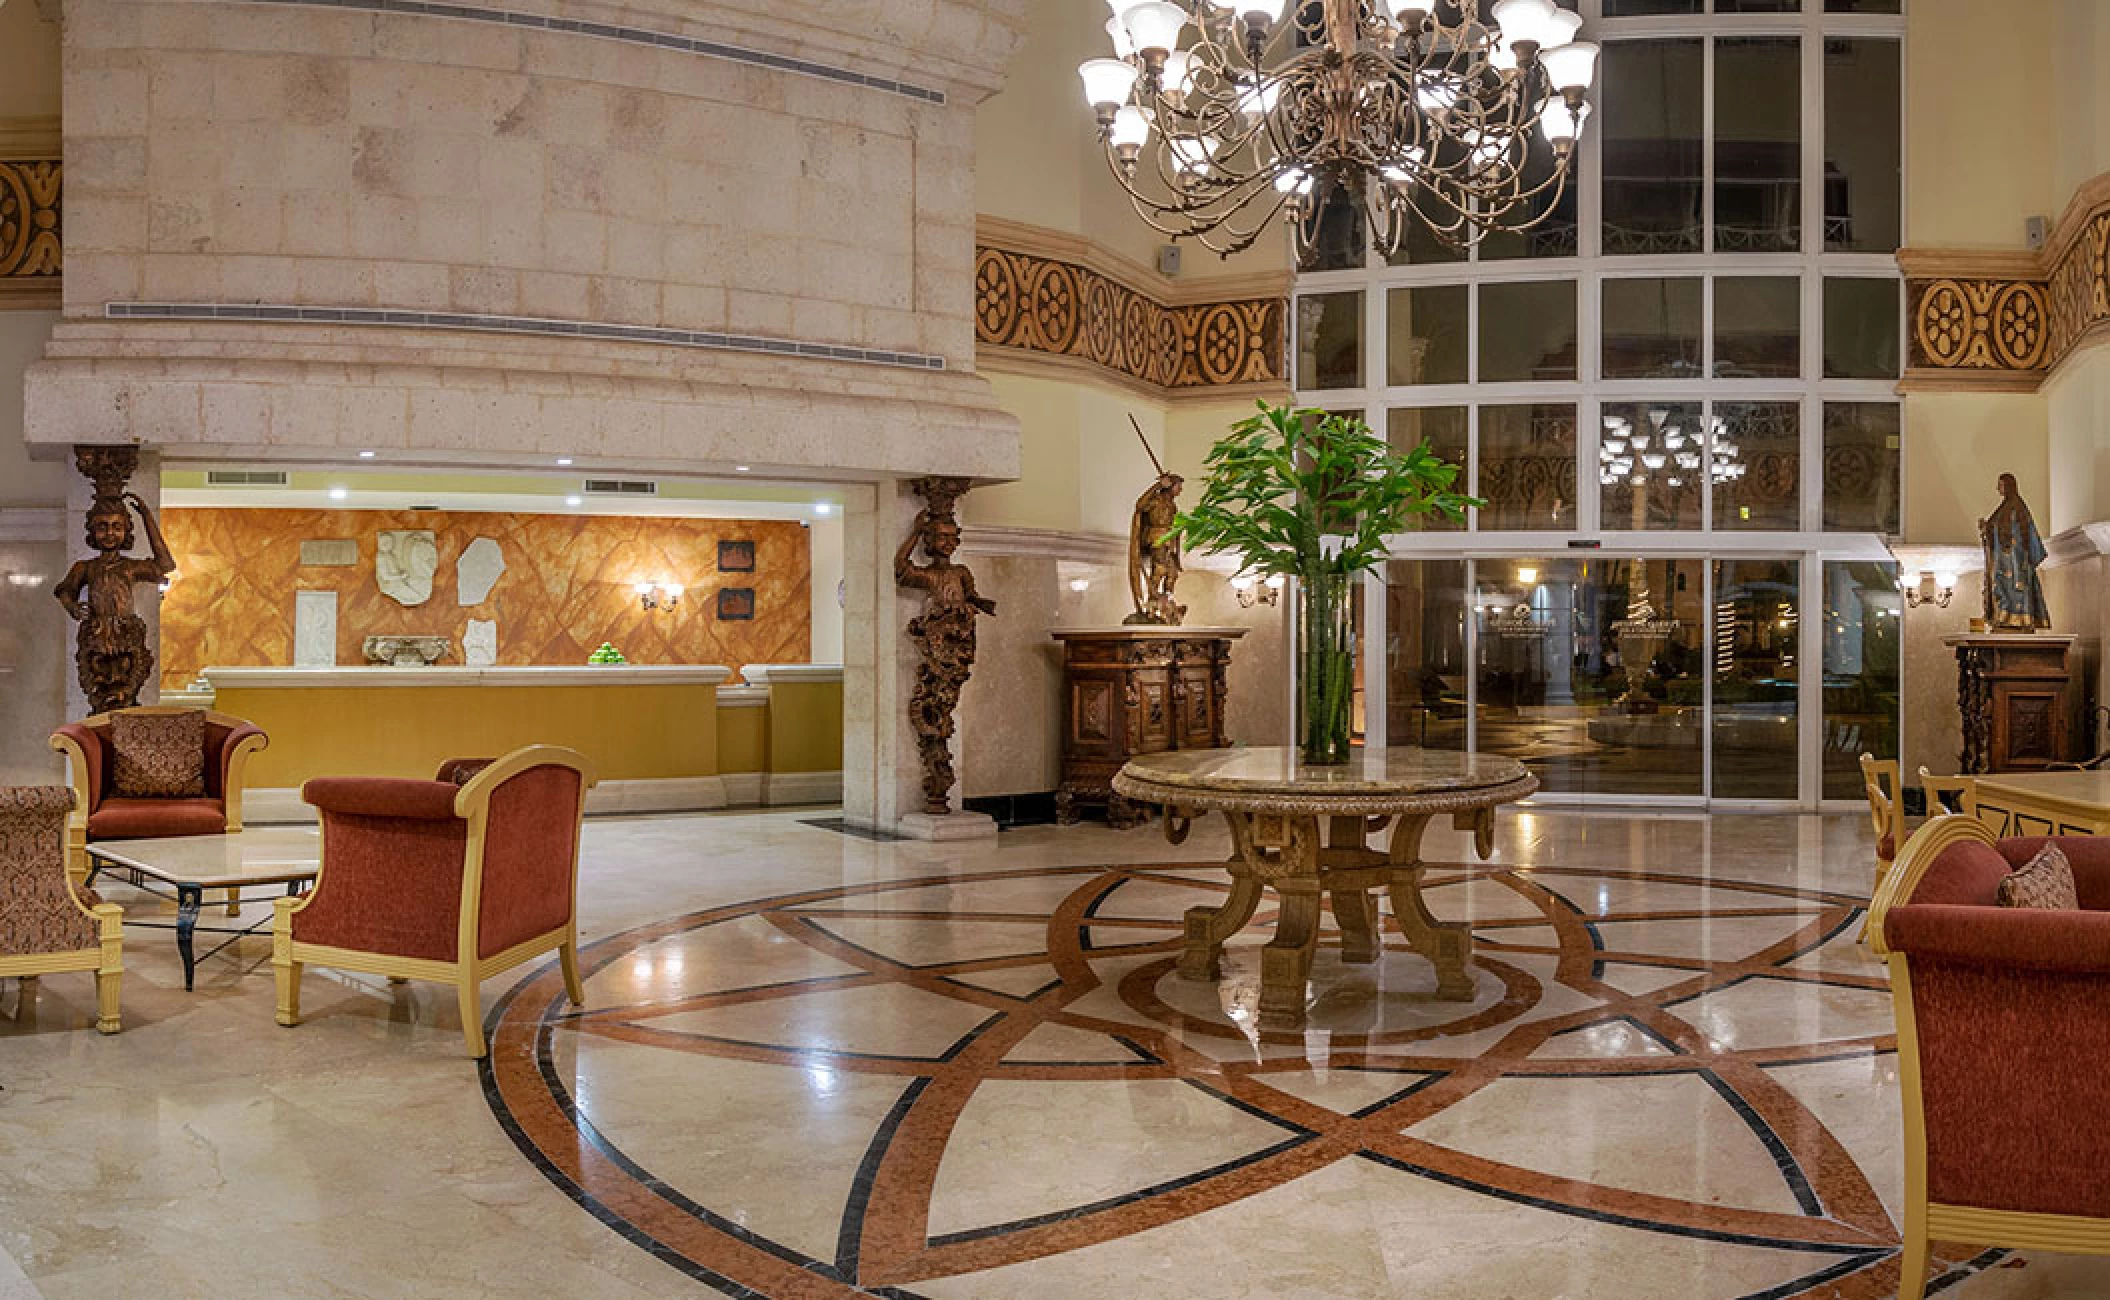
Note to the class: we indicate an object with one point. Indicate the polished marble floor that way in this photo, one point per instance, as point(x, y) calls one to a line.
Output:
point(815, 1065)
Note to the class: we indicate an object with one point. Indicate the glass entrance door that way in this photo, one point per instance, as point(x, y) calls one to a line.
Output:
point(1645, 677)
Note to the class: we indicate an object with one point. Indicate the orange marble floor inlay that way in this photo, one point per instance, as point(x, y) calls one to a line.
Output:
point(998, 1085)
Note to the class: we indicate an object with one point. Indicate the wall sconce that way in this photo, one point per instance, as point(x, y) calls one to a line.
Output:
point(1528, 575)
point(1252, 591)
point(1914, 585)
point(1080, 585)
point(658, 595)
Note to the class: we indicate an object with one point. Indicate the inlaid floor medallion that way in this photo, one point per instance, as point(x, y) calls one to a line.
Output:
point(998, 1085)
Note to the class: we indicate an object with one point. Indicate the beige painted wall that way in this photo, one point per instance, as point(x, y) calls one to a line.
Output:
point(2081, 94)
point(1957, 445)
point(1082, 467)
point(1973, 87)
point(23, 482)
point(2077, 402)
point(29, 62)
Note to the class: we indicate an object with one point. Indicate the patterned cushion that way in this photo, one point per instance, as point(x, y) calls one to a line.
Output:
point(36, 916)
point(158, 755)
point(2045, 883)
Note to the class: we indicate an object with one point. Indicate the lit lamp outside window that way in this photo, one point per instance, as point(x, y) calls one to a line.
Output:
point(1914, 584)
point(659, 595)
point(1253, 591)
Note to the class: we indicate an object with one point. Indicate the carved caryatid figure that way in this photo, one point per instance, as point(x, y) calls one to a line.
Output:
point(111, 654)
point(2014, 598)
point(943, 632)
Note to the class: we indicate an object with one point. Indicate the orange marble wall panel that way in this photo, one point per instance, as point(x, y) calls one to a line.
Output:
point(567, 587)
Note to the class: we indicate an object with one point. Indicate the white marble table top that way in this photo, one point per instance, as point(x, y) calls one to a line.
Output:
point(1276, 770)
point(264, 856)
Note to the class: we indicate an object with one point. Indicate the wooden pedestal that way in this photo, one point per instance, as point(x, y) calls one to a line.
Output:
point(2015, 694)
point(1136, 690)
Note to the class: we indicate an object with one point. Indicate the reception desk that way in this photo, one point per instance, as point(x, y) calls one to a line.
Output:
point(651, 731)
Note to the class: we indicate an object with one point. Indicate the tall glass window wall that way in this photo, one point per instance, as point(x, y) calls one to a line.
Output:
point(1678, 396)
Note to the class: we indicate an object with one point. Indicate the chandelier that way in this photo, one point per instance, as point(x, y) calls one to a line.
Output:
point(1422, 109)
point(1668, 452)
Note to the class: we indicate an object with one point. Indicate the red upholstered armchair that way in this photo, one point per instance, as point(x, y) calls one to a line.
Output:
point(99, 814)
point(2001, 1025)
point(429, 880)
point(47, 923)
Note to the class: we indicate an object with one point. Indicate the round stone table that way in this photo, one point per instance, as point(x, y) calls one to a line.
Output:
point(1304, 832)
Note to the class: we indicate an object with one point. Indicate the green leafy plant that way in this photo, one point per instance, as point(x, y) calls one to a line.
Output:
point(1303, 492)
point(606, 654)
point(1314, 496)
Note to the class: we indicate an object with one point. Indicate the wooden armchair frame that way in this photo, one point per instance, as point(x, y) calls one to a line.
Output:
point(466, 972)
point(84, 798)
point(1883, 779)
point(106, 960)
point(1950, 795)
point(1926, 1221)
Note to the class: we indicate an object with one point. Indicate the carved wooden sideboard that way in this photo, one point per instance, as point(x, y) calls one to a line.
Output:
point(1136, 690)
point(2015, 694)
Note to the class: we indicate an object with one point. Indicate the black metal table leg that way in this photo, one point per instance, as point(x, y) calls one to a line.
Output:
point(188, 897)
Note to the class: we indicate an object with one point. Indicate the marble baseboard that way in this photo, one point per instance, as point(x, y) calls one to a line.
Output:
point(780, 788)
point(951, 826)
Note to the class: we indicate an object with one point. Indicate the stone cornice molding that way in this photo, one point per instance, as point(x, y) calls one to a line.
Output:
point(35, 138)
point(1044, 543)
point(1984, 320)
point(2076, 545)
point(1059, 305)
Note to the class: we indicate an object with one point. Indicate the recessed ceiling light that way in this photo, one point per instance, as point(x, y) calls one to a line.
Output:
point(575, 501)
point(564, 460)
point(339, 494)
point(824, 507)
point(739, 469)
point(366, 455)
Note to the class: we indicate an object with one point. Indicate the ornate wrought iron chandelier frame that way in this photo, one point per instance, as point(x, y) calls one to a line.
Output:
point(1425, 112)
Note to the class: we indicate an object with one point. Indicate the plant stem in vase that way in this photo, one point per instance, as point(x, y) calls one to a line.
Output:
point(1326, 667)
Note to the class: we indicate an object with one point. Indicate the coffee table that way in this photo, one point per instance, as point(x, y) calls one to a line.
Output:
point(283, 860)
point(1302, 831)
point(2045, 803)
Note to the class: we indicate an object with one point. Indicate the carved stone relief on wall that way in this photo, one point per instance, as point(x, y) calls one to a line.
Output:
point(404, 564)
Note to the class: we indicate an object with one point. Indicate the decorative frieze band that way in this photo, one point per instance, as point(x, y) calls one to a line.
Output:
point(2003, 322)
point(1028, 302)
point(29, 231)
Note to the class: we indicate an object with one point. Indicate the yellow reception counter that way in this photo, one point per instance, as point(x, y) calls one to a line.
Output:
point(653, 732)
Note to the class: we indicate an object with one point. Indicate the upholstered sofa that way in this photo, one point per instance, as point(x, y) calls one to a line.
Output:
point(49, 924)
point(2002, 1016)
point(434, 880)
point(101, 814)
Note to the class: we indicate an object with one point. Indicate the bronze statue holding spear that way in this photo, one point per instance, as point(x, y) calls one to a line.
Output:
point(1153, 552)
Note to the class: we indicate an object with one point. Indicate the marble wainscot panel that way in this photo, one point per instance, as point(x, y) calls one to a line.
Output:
point(314, 629)
point(36, 650)
point(481, 564)
point(567, 587)
point(405, 561)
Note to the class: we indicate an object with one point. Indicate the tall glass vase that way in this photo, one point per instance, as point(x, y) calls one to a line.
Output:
point(1325, 666)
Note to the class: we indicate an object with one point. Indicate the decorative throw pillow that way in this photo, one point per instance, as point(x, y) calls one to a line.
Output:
point(2045, 882)
point(158, 755)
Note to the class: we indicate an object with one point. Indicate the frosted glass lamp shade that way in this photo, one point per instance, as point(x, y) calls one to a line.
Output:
point(1572, 66)
point(1107, 82)
point(1155, 26)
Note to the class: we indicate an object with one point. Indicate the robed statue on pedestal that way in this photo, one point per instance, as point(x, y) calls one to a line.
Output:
point(2014, 598)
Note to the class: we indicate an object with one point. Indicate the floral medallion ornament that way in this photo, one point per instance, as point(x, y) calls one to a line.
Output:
point(1306, 494)
point(1458, 115)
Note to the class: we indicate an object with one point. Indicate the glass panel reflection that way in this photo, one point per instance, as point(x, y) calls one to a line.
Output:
point(1652, 328)
point(1756, 637)
point(1757, 145)
point(1757, 327)
point(1652, 109)
point(1861, 449)
point(1863, 146)
point(1862, 320)
point(1591, 671)
point(1426, 335)
point(1757, 466)
point(1527, 466)
point(1330, 340)
point(1527, 331)
point(1444, 429)
point(1652, 465)
point(1425, 667)
point(1863, 635)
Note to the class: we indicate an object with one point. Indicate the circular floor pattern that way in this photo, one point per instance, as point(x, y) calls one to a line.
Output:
point(892, 1018)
